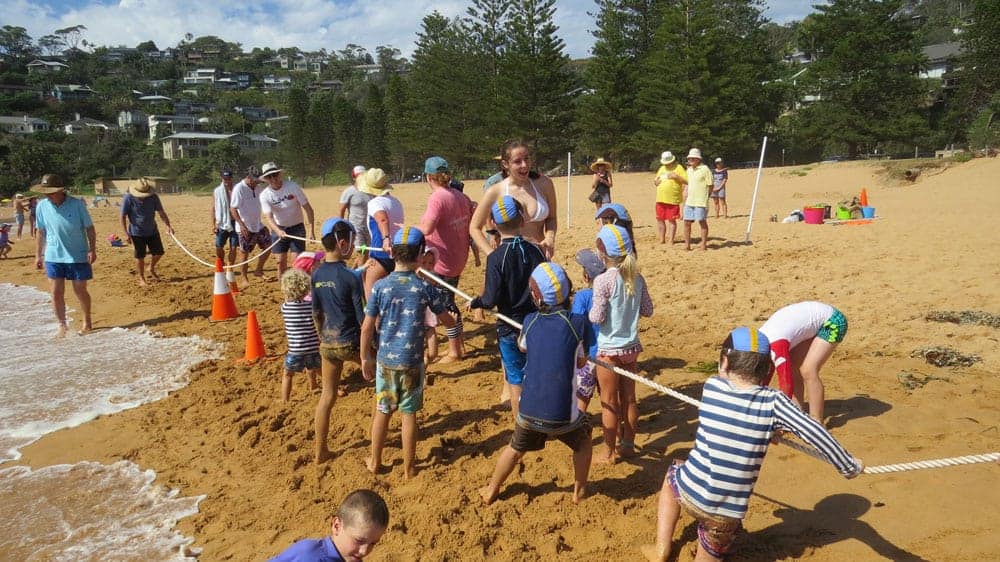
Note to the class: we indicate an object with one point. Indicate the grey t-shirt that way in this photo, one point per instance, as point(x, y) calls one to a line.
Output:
point(357, 206)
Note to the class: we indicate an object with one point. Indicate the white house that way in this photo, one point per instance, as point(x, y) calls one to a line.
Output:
point(941, 59)
point(23, 125)
point(193, 145)
point(272, 82)
point(45, 66)
point(171, 124)
point(81, 124)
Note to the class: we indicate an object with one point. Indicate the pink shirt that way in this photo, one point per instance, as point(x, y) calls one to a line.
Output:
point(448, 214)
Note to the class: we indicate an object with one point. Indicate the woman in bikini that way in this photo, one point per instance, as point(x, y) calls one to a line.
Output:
point(535, 192)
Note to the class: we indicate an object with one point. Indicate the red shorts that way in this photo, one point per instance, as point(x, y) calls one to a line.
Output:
point(667, 212)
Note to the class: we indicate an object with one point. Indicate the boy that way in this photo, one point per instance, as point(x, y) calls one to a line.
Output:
point(737, 419)
point(303, 344)
point(359, 523)
point(586, 377)
point(5, 242)
point(336, 309)
point(397, 304)
point(554, 340)
point(508, 269)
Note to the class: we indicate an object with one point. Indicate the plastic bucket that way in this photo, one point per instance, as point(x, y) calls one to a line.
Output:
point(826, 212)
point(814, 215)
point(844, 214)
point(868, 212)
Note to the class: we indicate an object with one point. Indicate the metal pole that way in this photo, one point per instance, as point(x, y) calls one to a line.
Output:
point(756, 186)
point(569, 177)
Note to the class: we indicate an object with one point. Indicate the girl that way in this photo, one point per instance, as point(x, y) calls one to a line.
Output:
point(620, 297)
point(616, 213)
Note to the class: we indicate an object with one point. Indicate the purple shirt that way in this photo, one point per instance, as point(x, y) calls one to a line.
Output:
point(310, 550)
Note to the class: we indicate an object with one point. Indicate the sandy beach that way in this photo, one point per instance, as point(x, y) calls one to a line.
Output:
point(226, 434)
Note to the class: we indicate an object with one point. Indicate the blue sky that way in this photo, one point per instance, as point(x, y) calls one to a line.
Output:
point(308, 24)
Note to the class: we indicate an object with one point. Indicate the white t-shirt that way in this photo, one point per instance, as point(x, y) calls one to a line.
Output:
point(284, 204)
point(797, 322)
point(246, 201)
point(223, 220)
point(394, 209)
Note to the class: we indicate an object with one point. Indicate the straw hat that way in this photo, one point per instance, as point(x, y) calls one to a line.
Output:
point(51, 183)
point(268, 169)
point(142, 191)
point(599, 162)
point(667, 157)
point(375, 182)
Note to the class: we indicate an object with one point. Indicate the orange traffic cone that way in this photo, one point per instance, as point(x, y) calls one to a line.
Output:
point(864, 197)
point(223, 305)
point(255, 342)
point(234, 287)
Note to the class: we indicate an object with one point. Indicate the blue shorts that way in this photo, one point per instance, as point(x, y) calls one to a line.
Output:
point(834, 329)
point(695, 213)
point(513, 359)
point(296, 363)
point(399, 389)
point(69, 271)
point(297, 246)
point(223, 236)
point(19, 218)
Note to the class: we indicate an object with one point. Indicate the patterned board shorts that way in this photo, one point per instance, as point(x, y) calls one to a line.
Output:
point(715, 534)
point(834, 329)
point(399, 389)
point(251, 240)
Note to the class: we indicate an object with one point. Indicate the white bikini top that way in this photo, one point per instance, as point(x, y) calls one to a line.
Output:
point(541, 206)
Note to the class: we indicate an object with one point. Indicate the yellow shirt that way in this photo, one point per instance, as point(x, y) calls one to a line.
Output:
point(699, 185)
point(669, 191)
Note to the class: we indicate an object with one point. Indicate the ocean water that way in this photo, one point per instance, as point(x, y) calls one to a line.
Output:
point(85, 511)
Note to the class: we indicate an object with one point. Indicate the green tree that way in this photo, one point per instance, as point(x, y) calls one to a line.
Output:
point(980, 74)
point(373, 144)
point(296, 142)
point(399, 126)
point(15, 42)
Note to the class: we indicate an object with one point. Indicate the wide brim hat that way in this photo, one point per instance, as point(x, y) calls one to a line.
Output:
point(694, 153)
point(667, 157)
point(51, 183)
point(143, 190)
point(375, 182)
point(599, 162)
point(268, 169)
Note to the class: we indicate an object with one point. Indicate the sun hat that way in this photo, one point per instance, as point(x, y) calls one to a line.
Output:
point(552, 282)
point(617, 242)
point(694, 153)
point(408, 235)
point(717, 160)
point(436, 165)
point(357, 171)
point(748, 339)
point(268, 169)
point(51, 183)
point(330, 224)
point(142, 191)
point(505, 209)
point(667, 157)
point(376, 182)
point(621, 213)
point(18, 196)
point(599, 162)
point(592, 264)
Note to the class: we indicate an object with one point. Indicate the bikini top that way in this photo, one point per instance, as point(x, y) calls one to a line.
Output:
point(541, 206)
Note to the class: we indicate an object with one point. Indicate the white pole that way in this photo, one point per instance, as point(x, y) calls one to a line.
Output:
point(756, 186)
point(569, 177)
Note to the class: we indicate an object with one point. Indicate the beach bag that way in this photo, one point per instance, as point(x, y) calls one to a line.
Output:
point(595, 196)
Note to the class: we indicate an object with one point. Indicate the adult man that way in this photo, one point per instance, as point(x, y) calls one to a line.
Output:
point(244, 208)
point(699, 185)
point(20, 208)
point(222, 221)
point(354, 206)
point(140, 206)
point(282, 204)
point(669, 181)
point(66, 247)
point(445, 225)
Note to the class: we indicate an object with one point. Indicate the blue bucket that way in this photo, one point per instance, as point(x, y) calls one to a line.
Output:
point(868, 212)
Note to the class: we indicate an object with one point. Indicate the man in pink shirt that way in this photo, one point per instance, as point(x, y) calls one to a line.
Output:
point(445, 225)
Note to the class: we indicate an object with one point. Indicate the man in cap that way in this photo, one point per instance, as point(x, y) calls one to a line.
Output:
point(140, 205)
point(354, 206)
point(282, 204)
point(222, 220)
point(66, 247)
point(699, 185)
point(244, 207)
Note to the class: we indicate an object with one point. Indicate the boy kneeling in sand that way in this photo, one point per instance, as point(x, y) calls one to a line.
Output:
point(358, 525)
point(736, 420)
point(555, 342)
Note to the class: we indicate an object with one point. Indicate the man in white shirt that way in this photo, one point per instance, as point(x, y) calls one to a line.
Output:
point(282, 204)
point(244, 208)
point(222, 220)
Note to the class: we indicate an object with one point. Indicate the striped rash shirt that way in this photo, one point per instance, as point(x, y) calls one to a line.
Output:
point(299, 327)
point(734, 431)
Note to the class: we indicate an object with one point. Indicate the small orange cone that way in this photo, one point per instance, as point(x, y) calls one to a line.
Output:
point(255, 342)
point(864, 197)
point(223, 305)
point(234, 287)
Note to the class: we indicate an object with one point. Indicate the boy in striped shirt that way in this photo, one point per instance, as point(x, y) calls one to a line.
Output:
point(303, 343)
point(737, 418)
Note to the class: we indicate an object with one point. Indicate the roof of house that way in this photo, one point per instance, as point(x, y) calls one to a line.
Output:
point(217, 136)
point(942, 51)
point(90, 122)
point(10, 119)
point(40, 62)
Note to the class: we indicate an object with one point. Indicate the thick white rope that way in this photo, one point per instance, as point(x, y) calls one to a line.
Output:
point(802, 448)
point(212, 265)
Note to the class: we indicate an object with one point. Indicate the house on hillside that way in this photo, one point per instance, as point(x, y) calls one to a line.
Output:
point(39, 66)
point(272, 82)
point(166, 54)
point(201, 76)
point(161, 125)
point(81, 124)
point(23, 125)
point(941, 59)
point(72, 92)
point(193, 145)
point(256, 114)
point(154, 99)
point(133, 121)
point(188, 107)
point(326, 86)
point(118, 54)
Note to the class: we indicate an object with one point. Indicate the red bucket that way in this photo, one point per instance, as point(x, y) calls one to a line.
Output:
point(814, 215)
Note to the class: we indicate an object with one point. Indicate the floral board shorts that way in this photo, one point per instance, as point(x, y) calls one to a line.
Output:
point(399, 389)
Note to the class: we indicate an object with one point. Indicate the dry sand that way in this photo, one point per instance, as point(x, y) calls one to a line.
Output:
point(228, 437)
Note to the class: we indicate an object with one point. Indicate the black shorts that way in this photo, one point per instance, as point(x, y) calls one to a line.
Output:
point(297, 246)
point(152, 244)
point(387, 264)
point(525, 439)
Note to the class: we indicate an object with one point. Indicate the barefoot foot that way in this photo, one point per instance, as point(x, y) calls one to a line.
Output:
point(487, 495)
point(654, 553)
point(323, 456)
point(61, 332)
point(372, 467)
point(579, 492)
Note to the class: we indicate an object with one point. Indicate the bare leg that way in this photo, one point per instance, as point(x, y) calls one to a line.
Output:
point(80, 288)
point(331, 379)
point(282, 263)
point(244, 270)
point(313, 382)
point(673, 231)
point(140, 267)
point(58, 287)
point(661, 228)
point(505, 465)
point(232, 255)
point(259, 271)
point(515, 399)
point(668, 510)
point(818, 351)
point(704, 234)
point(373, 273)
point(687, 235)
point(725, 208)
point(581, 468)
point(410, 436)
point(607, 383)
point(630, 421)
point(152, 267)
point(286, 386)
point(380, 425)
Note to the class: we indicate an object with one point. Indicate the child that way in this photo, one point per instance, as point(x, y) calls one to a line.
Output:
point(620, 297)
point(336, 309)
point(803, 336)
point(734, 403)
point(5, 242)
point(508, 269)
point(616, 213)
point(397, 304)
point(586, 379)
point(554, 340)
point(720, 177)
point(303, 343)
point(359, 523)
